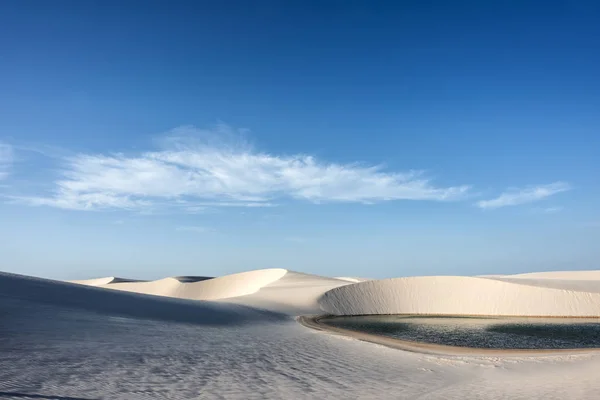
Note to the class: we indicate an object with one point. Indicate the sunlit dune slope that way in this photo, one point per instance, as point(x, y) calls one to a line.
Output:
point(457, 295)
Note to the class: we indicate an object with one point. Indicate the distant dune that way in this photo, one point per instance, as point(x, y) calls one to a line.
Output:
point(273, 289)
point(565, 275)
point(198, 288)
point(573, 294)
point(104, 281)
point(351, 279)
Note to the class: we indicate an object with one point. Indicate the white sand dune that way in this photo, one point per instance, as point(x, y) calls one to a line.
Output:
point(563, 275)
point(294, 293)
point(223, 287)
point(352, 279)
point(278, 290)
point(103, 281)
point(578, 285)
point(458, 295)
point(134, 305)
point(194, 278)
point(582, 281)
point(99, 339)
point(95, 281)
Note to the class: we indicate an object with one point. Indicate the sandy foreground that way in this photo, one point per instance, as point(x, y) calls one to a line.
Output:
point(237, 337)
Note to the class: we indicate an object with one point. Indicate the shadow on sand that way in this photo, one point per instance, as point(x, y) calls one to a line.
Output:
point(15, 395)
point(127, 304)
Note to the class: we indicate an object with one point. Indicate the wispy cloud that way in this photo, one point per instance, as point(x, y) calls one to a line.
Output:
point(44, 150)
point(525, 195)
point(191, 172)
point(195, 229)
point(6, 160)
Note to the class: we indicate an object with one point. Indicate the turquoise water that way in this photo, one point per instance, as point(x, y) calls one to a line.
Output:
point(488, 333)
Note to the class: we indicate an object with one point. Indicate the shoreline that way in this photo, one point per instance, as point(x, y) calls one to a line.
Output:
point(314, 322)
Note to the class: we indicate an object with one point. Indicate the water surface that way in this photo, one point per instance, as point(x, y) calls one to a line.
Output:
point(488, 333)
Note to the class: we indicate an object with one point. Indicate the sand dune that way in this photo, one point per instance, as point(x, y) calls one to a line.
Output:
point(352, 279)
point(563, 275)
point(456, 295)
point(581, 281)
point(277, 290)
point(94, 281)
point(104, 281)
point(190, 279)
point(118, 303)
point(223, 287)
point(294, 293)
point(98, 339)
point(537, 294)
point(578, 285)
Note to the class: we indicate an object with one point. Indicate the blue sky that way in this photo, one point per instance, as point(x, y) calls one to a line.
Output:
point(378, 139)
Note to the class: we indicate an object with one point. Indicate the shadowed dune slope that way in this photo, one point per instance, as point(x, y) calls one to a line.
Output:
point(456, 295)
point(190, 279)
point(18, 288)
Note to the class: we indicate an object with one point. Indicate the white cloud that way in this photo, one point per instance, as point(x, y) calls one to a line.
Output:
point(196, 229)
point(86, 201)
point(6, 159)
point(529, 194)
point(207, 172)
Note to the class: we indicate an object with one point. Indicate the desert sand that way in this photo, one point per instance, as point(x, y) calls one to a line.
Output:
point(237, 337)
